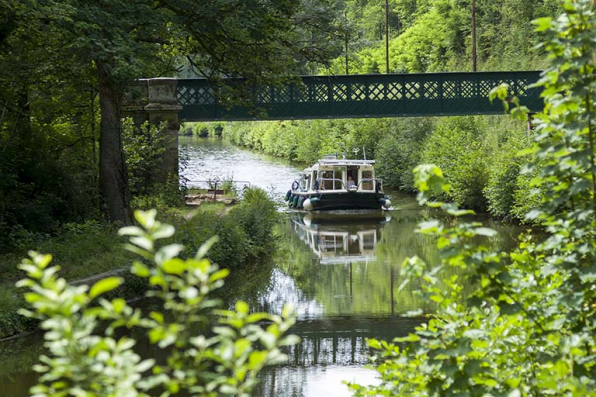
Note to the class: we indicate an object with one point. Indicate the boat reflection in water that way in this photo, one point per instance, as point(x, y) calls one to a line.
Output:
point(341, 238)
point(334, 344)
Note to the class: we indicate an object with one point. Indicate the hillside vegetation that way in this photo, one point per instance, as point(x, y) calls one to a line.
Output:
point(477, 154)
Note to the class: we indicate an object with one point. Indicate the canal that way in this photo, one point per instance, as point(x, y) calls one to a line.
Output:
point(339, 269)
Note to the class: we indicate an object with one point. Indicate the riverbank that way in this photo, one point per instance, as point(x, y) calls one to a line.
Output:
point(85, 250)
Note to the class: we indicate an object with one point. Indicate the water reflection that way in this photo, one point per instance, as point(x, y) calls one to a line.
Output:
point(349, 263)
point(332, 351)
point(353, 240)
point(282, 290)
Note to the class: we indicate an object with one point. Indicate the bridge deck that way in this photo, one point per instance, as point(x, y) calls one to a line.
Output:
point(389, 95)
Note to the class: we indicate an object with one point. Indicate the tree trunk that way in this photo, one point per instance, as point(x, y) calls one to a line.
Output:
point(113, 177)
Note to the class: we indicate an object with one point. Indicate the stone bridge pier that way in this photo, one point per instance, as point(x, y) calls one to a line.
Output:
point(155, 101)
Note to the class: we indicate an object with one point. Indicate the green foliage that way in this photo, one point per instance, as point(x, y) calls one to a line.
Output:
point(83, 250)
point(435, 35)
point(245, 232)
point(82, 361)
point(48, 174)
point(399, 151)
point(204, 130)
point(87, 249)
point(143, 151)
point(484, 176)
point(83, 54)
point(232, 249)
point(528, 328)
point(256, 215)
point(458, 148)
point(429, 35)
point(165, 197)
point(307, 141)
point(507, 192)
point(201, 131)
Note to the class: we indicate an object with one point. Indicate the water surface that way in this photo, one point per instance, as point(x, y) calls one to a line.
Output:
point(341, 270)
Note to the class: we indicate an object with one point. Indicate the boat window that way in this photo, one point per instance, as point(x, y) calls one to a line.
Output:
point(353, 245)
point(367, 180)
point(335, 243)
point(314, 182)
point(368, 240)
point(328, 180)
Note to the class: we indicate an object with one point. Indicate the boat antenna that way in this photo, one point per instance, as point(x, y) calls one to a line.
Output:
point(356, 150)
point(364, 151)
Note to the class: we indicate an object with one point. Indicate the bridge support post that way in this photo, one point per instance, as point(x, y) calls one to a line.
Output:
point(155, 101)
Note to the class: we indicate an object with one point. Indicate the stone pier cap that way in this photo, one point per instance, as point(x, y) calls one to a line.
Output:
point(155, 94)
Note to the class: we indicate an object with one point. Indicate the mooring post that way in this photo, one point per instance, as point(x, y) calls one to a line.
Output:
point(155, 101)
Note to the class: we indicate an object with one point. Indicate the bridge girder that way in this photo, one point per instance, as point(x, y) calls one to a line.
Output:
point(356, 96)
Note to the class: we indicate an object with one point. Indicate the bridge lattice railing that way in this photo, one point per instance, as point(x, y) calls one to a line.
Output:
point(393, 95)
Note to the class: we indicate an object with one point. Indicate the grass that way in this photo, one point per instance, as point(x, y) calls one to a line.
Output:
point(80, 250)
point(84, 250)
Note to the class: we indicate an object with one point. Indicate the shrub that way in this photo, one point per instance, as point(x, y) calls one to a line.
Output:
point(88, 362)
point(245, 233)
point(458, 148)
point(526, 195)
point(201, 131)
point(257, 215)
point(399, 151)
point(503, 186)
point(186, 130)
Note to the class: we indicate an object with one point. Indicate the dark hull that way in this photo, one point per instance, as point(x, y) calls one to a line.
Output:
point(344, 201)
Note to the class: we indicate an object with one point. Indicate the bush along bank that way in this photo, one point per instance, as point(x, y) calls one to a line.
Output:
point(478, 154)
point(83, 250)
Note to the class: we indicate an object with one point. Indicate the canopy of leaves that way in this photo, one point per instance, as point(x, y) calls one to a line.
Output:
point(435, 35)
point(50, 51)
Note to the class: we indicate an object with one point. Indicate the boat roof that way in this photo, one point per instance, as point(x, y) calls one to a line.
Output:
point(344, 260)
point(339, 162)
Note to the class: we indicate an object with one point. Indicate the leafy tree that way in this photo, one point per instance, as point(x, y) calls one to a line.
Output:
point(82, 362)
point(528, 329)
point(99, 47)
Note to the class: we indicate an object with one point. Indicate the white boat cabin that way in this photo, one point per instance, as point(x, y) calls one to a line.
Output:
point(332, 174)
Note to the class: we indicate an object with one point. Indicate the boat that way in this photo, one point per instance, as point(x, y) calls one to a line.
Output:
point(338, 184)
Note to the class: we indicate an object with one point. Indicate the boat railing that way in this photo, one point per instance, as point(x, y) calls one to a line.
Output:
point(378, 182)
point(321, 186)
point(366, 180)
point(217, 186)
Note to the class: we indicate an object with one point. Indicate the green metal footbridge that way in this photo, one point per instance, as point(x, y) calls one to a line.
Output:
point(387, 95)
